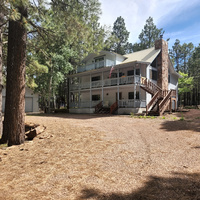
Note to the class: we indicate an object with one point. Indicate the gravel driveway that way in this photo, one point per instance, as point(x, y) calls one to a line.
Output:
point(106, 157)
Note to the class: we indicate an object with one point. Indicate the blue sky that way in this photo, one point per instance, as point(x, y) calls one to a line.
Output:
point(179, 18)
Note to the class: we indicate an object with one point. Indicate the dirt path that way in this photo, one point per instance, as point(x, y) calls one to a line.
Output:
point(105, 157)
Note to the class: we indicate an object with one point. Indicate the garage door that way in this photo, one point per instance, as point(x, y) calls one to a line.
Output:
point(3, 104)
point(28, 104)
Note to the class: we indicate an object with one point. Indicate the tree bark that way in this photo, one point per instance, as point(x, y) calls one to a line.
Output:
point(14, 127)
point(1, 63)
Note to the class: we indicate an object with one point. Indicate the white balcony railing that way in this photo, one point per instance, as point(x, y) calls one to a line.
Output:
point(107, 82)
point(131, 103)
point(83, 104)
point(96, 65)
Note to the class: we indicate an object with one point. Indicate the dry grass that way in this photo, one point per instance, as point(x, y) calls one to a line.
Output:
point(109, 158)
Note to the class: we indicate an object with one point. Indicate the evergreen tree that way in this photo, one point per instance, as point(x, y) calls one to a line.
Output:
point(14, 128)
point(149, 34)
point(118, 41)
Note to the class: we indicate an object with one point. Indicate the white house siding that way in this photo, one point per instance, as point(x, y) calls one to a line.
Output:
point(173, 85)
point(31, 101)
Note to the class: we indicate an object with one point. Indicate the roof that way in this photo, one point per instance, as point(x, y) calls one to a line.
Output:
point(147, 55)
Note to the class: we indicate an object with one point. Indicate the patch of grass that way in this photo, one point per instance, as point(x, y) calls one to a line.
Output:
point(182, 118)
point(132, 114)
point(197, 118)
point(152, 117)
point(163, 117)
point(2, 146)
point(174, 118)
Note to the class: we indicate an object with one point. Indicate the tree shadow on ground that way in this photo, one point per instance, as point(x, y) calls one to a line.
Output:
point(179, 187)
point(179, 125)
point(72, 116)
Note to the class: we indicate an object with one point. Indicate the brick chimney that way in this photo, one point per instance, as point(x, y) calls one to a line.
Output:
point(162, 63)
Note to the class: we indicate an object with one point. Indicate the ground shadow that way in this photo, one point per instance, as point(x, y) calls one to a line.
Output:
point(72, 116)
point(179, 187)
point(178, 125)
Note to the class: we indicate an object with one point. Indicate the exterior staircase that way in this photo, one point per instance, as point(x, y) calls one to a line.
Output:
point(105, 110)
point(161, 99)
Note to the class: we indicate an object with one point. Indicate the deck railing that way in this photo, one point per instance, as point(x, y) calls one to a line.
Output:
point(131, 103)
point(113, 107)
point(96, 65)
point(152, 101)
point(84, 104)
point(107, 82)
point(165, 102)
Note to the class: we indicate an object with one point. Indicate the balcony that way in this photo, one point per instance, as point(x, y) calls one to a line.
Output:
point(107, 83)
point(96, 65)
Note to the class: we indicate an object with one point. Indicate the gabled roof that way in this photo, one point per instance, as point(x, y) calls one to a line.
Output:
point(147, 55)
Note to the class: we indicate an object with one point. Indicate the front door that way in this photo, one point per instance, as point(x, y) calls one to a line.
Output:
point(120, 96)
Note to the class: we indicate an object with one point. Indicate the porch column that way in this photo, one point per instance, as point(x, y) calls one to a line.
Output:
point(90, 92)
point(79, 82)
point(134, 85)
point(118, 85)
point(140, 84)
point(102, 97)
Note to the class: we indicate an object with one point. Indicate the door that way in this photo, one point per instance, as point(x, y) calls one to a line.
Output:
point(120, 96)
point(28, 104)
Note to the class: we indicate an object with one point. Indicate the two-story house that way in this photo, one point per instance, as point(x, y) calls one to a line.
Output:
point(136, 82)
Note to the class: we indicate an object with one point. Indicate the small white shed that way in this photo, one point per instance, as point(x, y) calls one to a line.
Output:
point(31, 100)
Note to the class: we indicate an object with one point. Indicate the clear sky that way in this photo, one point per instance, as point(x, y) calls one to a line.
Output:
point(179, 18)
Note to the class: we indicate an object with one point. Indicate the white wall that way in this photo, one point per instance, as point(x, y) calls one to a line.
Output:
point(31, 101)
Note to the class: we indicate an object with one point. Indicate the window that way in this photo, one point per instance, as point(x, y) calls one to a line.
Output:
point(131, 95)
point(137, 95)
point(114, 75)
point(137, 72)
point(96, 97)
point(96, 78)
point(153, 74)
point(130, 73)
point(154, 63)
point(99, 59)
point(121, 74)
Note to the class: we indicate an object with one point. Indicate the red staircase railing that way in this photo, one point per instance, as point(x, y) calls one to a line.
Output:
point(113, 107)
point(98, 106)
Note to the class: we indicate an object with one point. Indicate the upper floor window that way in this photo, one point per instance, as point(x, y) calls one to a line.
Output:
point(153, 75)
point(154, 63)
point(98, 59)
point(130, 73)
point(96, 78)
point(137, 71)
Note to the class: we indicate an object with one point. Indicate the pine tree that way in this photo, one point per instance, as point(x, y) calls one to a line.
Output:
point(118, 41)
point(14, 128)
point(149, 34)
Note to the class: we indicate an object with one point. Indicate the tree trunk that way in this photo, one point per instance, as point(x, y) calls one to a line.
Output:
point(14, 127)
point(1, 63)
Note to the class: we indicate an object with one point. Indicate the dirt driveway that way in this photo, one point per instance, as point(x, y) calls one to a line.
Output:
point(105, 157)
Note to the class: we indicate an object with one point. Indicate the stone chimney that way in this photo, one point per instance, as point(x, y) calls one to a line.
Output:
point(162, 63)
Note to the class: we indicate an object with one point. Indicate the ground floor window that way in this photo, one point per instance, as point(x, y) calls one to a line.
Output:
point(131, 95)
point(96, 97)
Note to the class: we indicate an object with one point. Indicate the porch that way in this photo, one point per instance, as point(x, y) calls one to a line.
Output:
point(107, 83)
